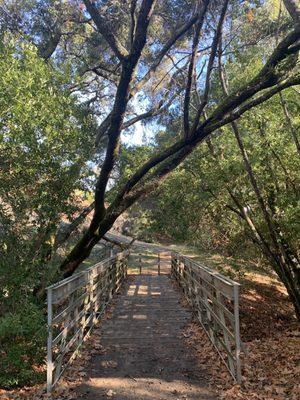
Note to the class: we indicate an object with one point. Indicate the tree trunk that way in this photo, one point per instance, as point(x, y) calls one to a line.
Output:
point(278, 251)
point(290, 123)
point(61, 239)
point(284, 268)
point(85, 245)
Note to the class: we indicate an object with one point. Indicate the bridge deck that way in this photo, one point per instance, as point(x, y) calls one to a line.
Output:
point(143, 353)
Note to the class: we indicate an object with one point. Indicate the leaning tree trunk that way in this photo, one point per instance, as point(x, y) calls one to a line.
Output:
point(290, 123)
point(285, 265)
point(148, 175)
point(85, 245)
point(289, 274)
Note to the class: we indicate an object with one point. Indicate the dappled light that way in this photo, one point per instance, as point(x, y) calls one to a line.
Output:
point(142, 352)
point(149, 199)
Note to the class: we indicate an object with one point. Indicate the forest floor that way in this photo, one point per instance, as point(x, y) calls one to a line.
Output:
point(269, 330)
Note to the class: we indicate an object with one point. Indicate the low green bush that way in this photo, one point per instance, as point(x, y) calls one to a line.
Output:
point(22, 343)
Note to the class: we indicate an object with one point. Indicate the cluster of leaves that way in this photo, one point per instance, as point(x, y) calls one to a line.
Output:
point(205, 217)
point(196, 205)
point(45, 141)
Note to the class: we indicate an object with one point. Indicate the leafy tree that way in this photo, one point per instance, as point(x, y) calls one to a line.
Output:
point(45, 142)
point(119, 52)
point(212, 41)
point(201, 203)
point(79, 73)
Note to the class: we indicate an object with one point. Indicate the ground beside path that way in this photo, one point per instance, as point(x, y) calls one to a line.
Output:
point(142, 353)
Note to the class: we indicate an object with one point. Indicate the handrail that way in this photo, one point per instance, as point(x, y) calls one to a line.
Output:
point(215, 299)
point(74, 305)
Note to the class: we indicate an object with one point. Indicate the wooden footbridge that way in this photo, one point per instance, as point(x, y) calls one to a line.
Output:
point(143, 353)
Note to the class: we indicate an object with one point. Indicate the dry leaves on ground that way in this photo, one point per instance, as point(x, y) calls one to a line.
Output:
point(271, 367)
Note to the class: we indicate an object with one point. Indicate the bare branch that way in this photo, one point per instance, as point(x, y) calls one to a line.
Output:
point(105, 31)
point(177, 35)
point(154, 111)
point(293, 8)
point(211, 60)
point(186, 123)
point(292, 128)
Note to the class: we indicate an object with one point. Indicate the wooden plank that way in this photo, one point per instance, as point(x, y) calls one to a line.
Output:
point(213, 299)
point(207, 269)
point(59, 359)
point(214, 283)
point(225, 335)
point(99, 267)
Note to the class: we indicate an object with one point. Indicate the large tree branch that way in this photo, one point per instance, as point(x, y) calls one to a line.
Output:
point(121, 100)
point(187, 96)
point(293, 8)
point(210, 64)
point(184, 147)
point(47, 48)
point(118, 49)
point(212, 123)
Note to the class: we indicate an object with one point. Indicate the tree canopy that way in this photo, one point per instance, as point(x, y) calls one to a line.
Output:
point(214, 84)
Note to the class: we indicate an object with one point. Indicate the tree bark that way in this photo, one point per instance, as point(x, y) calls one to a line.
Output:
point(283, 261)
point(290, 123)
point(270, 79)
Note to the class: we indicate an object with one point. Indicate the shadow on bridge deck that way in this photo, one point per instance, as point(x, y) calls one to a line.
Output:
point(149, 263)
point(143, 354)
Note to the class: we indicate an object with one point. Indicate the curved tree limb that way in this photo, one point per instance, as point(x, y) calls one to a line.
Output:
point(293, 8)
point(274, 76)
point(118, 49)
point(187, 96)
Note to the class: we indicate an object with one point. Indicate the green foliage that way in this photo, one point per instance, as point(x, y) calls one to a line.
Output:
point(22, 335)
point(45, 142)
point(44, 145)
point(195, 206)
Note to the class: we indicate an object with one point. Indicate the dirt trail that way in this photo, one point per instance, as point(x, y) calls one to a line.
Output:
point(143, 354)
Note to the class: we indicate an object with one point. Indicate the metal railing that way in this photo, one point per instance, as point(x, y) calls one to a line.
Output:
point(74, 306)
point(141, 261)
point(215, 299)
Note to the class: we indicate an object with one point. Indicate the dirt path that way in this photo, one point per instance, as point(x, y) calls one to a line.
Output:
point(143, 355)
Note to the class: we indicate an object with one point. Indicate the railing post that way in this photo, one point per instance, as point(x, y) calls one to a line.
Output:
point(49, 341)
point(126, 259)
point(158, 263)
point(237, 334)
point(140, 263)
